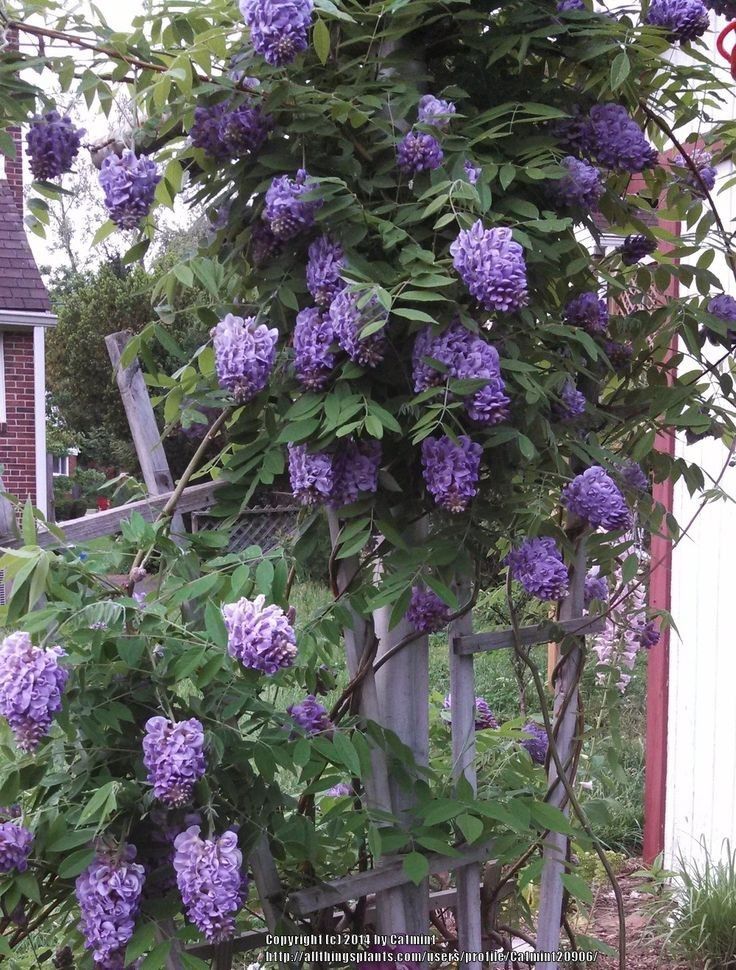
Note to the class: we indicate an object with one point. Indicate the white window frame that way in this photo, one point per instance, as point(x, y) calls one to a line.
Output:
point(62, 458)
point(3, 409)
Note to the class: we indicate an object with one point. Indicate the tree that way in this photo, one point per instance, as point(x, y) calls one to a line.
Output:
point(409, 318)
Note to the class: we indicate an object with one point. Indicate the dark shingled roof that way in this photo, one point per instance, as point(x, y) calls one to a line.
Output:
point(21, 286)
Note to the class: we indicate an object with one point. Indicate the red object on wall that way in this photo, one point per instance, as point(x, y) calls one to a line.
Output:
point(729, 56)
point(103, 503)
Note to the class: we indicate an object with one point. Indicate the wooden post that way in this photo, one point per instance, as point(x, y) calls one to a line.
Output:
point(403, 697)
point(462, 708)
point(565, 725)
point(143, 427)
point(270, 891)
point(50, 501)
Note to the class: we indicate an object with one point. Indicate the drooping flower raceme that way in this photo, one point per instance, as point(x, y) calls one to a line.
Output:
point(243, 130)
point(596, 587)
point(701, 161)
point(259, 636)
point(426, 612)
point(109, 893)
point(310, 716)
point(245, 352)
point(15, 846)
point(334, 478)
point(472, 171)
point(635, 248)
point(205, 132)
point(538, 565)
point(173, 753)
point(313, 337)
point(279, 29)
point(350, 314)
point(31, 684)
point(633, 476)
point(129, 185)
point(492, 266)
point(311, 475)
point(581, 188)
point(595, 497)
point(537, 742)
point(464, 355)
point(211, 882)
point(341, 790)
point(615, 140)
point(418, 151)
point(484, 716)
point(588, 311)
point(572, 403)
point(723, 306)
point(451, 470)
point(325, 262)
point(435, 111)
point(619, 354)
point(285, 211)
point(53, 143)
point(684, 20)
point(263, 244)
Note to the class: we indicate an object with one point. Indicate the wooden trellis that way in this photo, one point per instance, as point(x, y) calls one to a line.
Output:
point(266, 526)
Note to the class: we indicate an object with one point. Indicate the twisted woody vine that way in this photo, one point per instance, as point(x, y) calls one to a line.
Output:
point(414, 328)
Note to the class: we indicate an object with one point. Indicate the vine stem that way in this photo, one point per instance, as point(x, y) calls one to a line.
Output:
point(562, 776)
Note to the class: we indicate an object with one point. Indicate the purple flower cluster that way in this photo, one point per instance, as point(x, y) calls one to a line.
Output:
point(245, 352)
point(285, 212)
point(173, 753)
point(635, 248)
point(572, 403)
point(313, 337)
point(129, 185)
point(334, 478)
point(702, 162)
point(31, 685)
point(259, 636)
point(426, 612)
point(210, 880)
point(492, 266)
point(596, 587)
point(109, 894)
point(279, 29)
point(53, 144)
point(15, 847)
point(632, 476)
point(465, 355)
point(310, 716)
point(538, 565)
point(264, 246)
point(724, 307)
point(350, 313)
point(472, 171)
point(451, 470)
point(564, 6)
point(225, 132)
point(435, 111)
point(341, 790)
point(325, 262)
point(619, 354)
point(616, 141)
point(418, 151)
point(582, 186)
point(484, 716)
point(648, 633)
point(587, 311)
point(595, 497)
point(684, 20)
point(537, 743)
point(726, 8)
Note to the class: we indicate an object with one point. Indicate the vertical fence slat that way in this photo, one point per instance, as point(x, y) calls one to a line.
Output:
point(266, 876)
point(555, 845)
point(462, 712)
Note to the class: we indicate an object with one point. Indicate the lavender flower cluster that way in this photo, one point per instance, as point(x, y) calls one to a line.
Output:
point(465, 356)
point(350, 313)
point(222, 131)
point(588, 311)
point(684, 20)
point(335, 478)
point(15, 847)
point(492, 266)
point(595, 498)
point(608, 136)
point(581, 188)
point(210, 880)
point(538, 565)
point(311, 716)
point(279, 29)
point(420, 151)
point(173, 753)
point(723, 306)
point(595, 588)
point(635, 248)
point(31, 685)
point(701, 161)
point(325, 262)
point(245, 352)
point(286, 213)
point(53, 143)
point(109, 894)
point(536, 743)
point(572, 403)
point(485, 719)
point(259, 636)
point(313, 338)
point(129, 185)
point(451, 469)
point(426, 612)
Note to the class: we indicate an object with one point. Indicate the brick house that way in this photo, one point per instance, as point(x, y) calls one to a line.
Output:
point(25, 313)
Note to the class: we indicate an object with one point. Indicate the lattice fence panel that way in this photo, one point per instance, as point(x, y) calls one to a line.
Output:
point(263, 525)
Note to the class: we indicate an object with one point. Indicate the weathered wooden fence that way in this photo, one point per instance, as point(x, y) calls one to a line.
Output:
point(394, 693)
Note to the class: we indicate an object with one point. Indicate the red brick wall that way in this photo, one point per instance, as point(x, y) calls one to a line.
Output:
point(18, 433)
